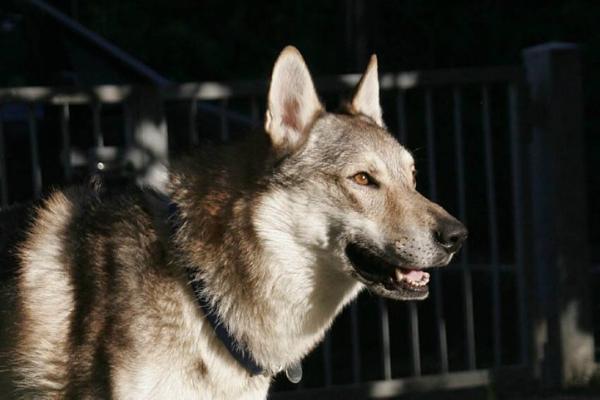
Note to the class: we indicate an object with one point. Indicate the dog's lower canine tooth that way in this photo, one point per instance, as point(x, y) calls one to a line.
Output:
point(399, 275)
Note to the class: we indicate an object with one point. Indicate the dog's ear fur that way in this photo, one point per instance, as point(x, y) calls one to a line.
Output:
point(366, 96)
point(293, 103)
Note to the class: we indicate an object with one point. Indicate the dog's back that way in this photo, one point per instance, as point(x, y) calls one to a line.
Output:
point(82, 251)
point(13, 224)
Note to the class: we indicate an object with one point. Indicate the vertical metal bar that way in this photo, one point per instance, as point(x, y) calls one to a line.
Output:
point(254, 111)
point(429, 130)
point(518, 217)
point(193, 134)
point(224, 120)
point(3, 183)
point(462, 214)
point(128, 125)
point(385, 339)
point(355, 342)
point(66, 141)
point(493, 224)
point(327, 360)
point(36, 170)
point(415, 346)
point(437, 278)
point(401, 114)
point(130, 162)
point(97, 126)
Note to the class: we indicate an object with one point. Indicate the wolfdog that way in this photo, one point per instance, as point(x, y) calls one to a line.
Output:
point(236, 273)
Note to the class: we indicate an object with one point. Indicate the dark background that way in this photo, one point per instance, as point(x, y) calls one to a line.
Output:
point(191, 40)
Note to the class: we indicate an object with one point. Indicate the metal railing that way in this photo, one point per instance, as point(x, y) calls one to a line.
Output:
point(100, 154)
point(421, 107)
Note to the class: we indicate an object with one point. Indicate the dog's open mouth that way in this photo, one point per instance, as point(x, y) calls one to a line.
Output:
point(386, 279)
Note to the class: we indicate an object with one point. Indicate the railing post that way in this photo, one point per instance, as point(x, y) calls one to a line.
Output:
point(563, 353)
point(149, 127)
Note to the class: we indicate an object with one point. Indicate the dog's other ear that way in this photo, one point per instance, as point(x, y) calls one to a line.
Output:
point(293, 102)
point(366, 96)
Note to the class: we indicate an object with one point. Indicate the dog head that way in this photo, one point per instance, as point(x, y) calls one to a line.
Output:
point(349, 187)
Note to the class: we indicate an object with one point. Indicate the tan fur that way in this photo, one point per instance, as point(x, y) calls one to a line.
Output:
point(47, 299)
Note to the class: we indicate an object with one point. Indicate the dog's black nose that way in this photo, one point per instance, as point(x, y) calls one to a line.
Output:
point(451, 234)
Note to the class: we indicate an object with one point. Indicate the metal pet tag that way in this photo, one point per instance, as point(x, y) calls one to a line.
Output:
point(294, 373)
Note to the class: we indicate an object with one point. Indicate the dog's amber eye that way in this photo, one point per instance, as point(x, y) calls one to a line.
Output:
point(362, 178)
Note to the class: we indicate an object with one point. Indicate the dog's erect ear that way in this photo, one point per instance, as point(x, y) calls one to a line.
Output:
point(293, 102)
point(366, 97)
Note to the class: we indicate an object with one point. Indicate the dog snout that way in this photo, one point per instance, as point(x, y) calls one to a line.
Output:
point(450, 234)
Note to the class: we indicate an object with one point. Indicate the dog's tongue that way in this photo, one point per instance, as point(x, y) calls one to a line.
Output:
point(414, 275)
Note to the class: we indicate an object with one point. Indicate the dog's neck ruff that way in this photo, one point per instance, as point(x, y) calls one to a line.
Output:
point(235, 348)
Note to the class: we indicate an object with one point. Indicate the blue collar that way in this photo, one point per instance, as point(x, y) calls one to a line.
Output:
point(236, 349)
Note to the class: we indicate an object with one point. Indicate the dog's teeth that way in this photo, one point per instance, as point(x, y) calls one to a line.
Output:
point(399, 275)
